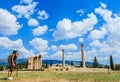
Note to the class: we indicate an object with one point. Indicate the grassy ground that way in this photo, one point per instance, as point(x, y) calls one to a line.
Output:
point(62, 76)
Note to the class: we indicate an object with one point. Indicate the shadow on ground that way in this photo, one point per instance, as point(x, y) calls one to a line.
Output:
point(3, 78)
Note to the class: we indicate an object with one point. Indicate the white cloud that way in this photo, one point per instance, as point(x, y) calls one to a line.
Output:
point(6, 43)
point(97, 34)
point(44, 55)
point(51, 29)
point(103, 5)
point(95, 43)
point(56, 55)
point(8, 23)
point(26, 10)
point(39, 44)
point(53, 47)
point(68, 30)
point(25, 52)
point(42, 15)
point(112, 26)
point(26, 1)
point(81, 39)
point(33, 22)
point(73, 56)
point(108, 33)
point(68, 55)
point(40, 30)
point(89, 54)
point(68, 47)
point(81, 12)
point(102, 50)
point(106, 14)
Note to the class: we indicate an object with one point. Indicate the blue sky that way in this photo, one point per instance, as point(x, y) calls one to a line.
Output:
point(46, 26)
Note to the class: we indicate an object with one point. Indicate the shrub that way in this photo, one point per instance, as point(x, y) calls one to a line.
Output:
point(117, 67)
point(1, 68)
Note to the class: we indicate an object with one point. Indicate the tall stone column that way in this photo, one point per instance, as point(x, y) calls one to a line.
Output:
point(63, 57)
point(82, 53)
point(40, 61)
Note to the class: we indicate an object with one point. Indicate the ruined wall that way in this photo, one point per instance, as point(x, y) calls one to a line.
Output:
point(30, 62)
point(35, 62)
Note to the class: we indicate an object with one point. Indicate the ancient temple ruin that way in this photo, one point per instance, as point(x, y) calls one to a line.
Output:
point(35, 62)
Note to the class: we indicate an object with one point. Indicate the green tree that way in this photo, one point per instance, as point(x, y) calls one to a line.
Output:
point(50, 62)
point(81, 64)
point(95, 62)
point(22, 65)
point(111, 63)
point(71, 63)
point(46, 66)
point(1, 68)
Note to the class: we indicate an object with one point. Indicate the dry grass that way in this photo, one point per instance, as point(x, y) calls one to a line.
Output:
point(63, 76)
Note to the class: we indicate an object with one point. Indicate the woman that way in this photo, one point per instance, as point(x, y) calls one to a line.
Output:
point(12, 63)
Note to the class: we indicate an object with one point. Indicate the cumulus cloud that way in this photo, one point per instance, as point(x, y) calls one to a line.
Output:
point(26, 1)
point(40, 30)
point(98, 34)
point(105, 39)
point(25, 10)
point(6, 43)
point(53, 47)
point(39, 44)
point(68, 55)
point(81, 12)
point(25, 52)
point(68, 30)
point(103, 5)
point(73, 56)
point(57, 55)
point(89, 54)
point(33, 22)
point(52, 29)
point(101, 49)
point(44, 55)
point(68, 47)
point(81, 39)
point(95, 43)
point(42, 15)
point(8, 23)
point(112, 25)
point(105, 13)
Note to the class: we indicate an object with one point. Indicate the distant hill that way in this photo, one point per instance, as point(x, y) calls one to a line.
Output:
point(68, 62)
point(77, 63)
point(3, 62)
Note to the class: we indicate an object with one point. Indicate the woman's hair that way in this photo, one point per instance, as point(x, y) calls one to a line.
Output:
point(14, 51)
